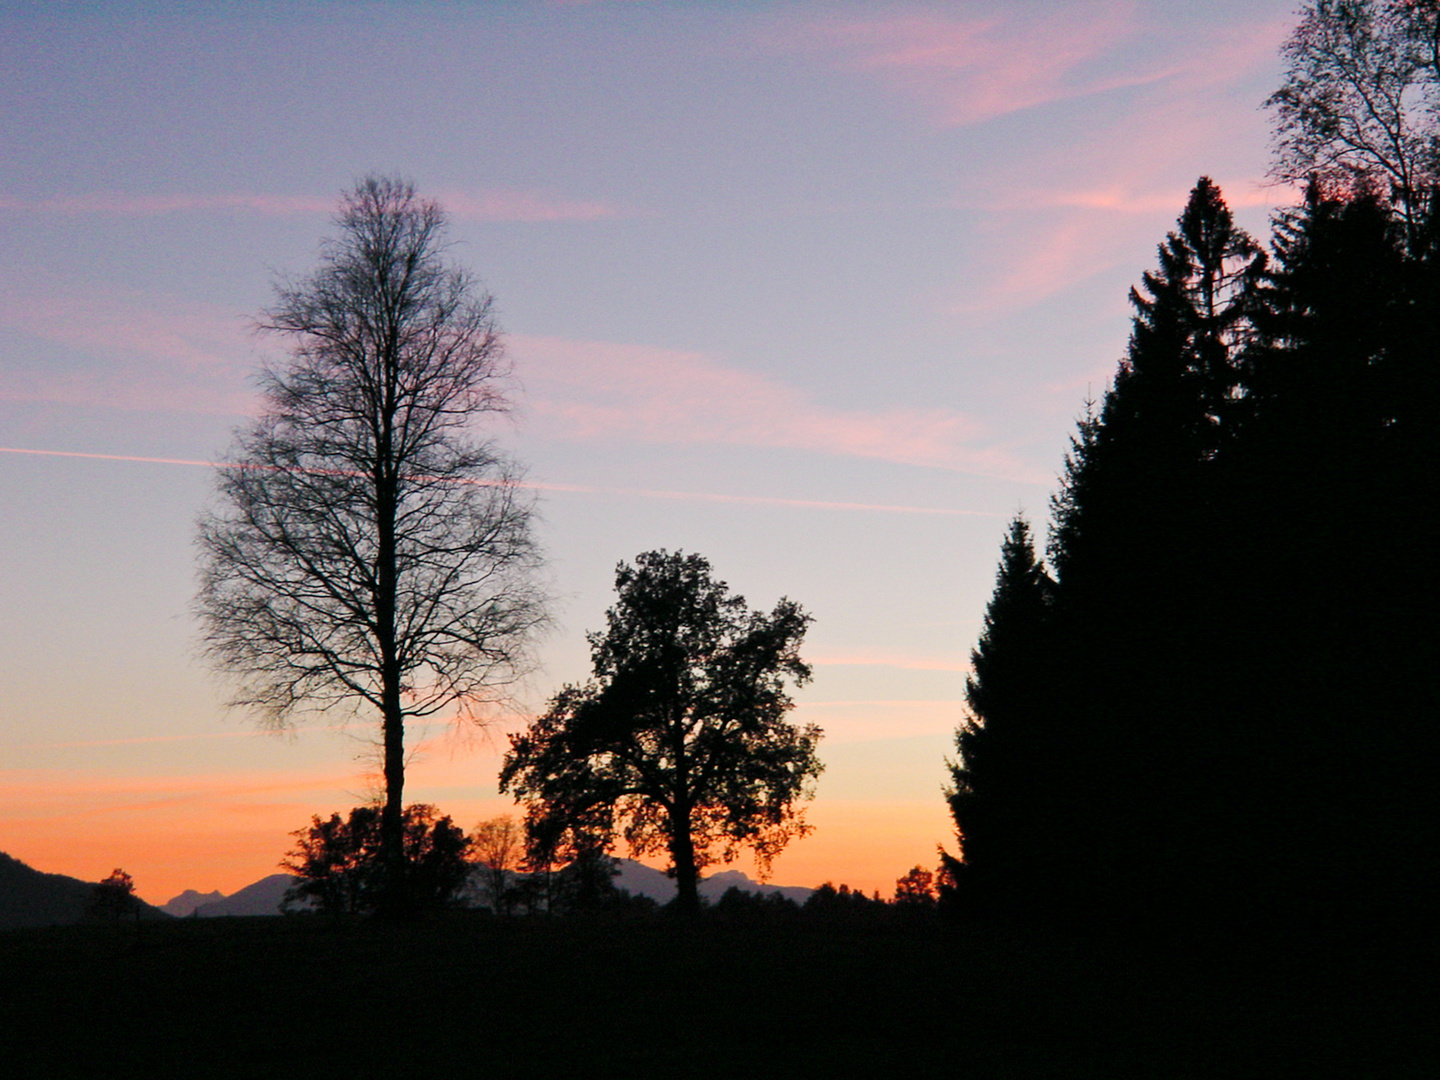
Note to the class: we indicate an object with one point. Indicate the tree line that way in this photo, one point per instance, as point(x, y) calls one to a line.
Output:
point(1217, 702)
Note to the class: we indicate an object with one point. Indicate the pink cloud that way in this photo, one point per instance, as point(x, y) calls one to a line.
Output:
point(523, 206)
point(969, 70)
point(1105, 194)
point(593, 390)
point(144, 352)
point(122, 205)
point(486, 205)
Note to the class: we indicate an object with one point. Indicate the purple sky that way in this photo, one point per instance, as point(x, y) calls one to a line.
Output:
point(815, 289)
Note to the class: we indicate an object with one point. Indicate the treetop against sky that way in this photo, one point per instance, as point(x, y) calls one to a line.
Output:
point(814, 290)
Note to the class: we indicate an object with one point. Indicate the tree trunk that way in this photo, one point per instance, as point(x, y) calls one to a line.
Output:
point(392, 816)
point(687, 877)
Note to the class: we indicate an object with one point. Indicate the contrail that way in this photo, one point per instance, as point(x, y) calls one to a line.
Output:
point(571, 489)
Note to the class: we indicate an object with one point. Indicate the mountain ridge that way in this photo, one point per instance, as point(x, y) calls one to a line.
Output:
point(30, 897)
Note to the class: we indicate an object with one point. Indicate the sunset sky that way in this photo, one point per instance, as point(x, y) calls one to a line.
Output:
point(814, 289)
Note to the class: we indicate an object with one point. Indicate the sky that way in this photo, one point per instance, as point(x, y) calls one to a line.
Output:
point(817, 290)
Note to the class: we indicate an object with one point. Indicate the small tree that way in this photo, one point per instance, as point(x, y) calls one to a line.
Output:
point(680, 743)
point(916, 888)
point(113, 897)
point(340, 862)
point(370, 553)
point(498, 845)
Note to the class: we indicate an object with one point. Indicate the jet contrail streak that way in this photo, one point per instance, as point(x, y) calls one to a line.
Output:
point(571, 489)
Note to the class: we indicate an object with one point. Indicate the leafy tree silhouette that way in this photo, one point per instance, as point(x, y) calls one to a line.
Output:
point(340, 862)
point(680, 743)
point(113, 898)
point(915, 888)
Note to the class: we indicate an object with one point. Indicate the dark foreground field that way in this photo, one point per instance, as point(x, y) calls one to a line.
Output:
point(649, 997)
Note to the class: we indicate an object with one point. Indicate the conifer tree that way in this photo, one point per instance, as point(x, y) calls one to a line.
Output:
point(997, 797)
point(1137, 528)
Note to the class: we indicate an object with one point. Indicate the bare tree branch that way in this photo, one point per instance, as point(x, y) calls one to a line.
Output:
point(369, 551)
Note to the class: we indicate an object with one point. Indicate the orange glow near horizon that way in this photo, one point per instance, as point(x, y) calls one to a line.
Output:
point(234, 843)
point(226, 831)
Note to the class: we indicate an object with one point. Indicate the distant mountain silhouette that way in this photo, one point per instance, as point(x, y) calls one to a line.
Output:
point(641, 880)
point(261, 898)
point(29, 897)
point(264, 896)
point(188, 901)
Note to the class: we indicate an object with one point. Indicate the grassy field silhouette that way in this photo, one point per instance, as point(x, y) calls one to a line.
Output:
point(648, 995)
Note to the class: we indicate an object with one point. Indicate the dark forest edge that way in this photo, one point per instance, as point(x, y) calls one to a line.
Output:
point(1214, 711)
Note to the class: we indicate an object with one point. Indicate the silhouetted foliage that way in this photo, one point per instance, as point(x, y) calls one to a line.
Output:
point(1163, 732)
point(1359, 112)
point(1006, 751)
point(916, 888)
point(739, 905)
point(340, 863)
point(680, 743)
point(369, 552)
point(843, 904)
point(113, 898)
point(1214, 715)
point(498, 847)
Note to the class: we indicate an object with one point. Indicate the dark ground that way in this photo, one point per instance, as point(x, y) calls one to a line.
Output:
point(651, 997)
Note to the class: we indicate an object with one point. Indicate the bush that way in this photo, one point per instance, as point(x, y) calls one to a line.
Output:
point(341, 873)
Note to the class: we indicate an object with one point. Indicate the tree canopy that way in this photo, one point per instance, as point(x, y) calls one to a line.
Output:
point(680, 743)
point(1216, 712)
point(340, 867)
point(1359, 107)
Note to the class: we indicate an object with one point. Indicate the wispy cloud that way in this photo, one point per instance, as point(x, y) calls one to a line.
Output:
point(134, 351)
point(523, 206)
point(491, 204)
point(581, 489)
point(598, 390)
point(969, 70)
point(119, 204)
point(1091, 196)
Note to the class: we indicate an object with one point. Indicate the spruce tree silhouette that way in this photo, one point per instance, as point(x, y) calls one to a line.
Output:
point(1135, 524)
point(1006, 764)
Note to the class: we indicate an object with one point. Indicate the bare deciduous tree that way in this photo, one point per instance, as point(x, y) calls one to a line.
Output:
point(1361, 100)
point(370, 552)
point(497, 846)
